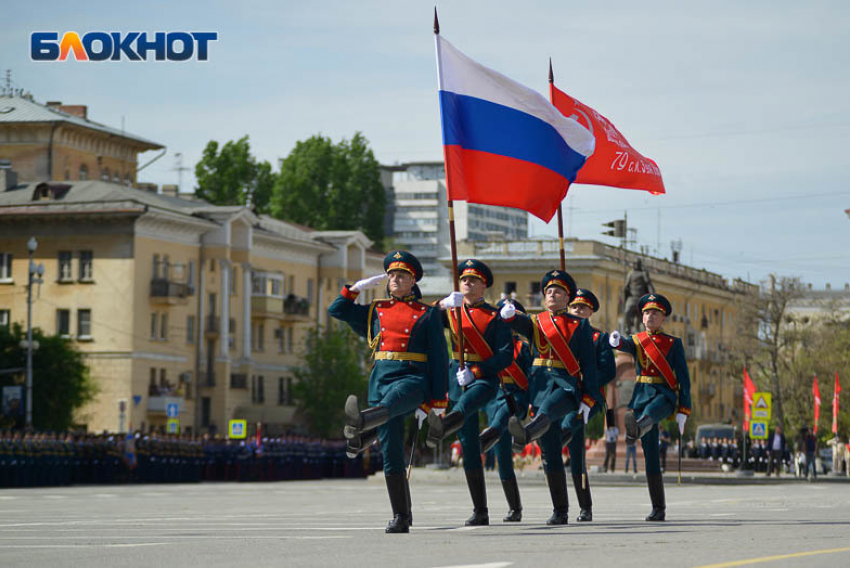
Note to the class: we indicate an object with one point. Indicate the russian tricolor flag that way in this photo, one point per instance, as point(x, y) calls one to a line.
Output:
point(504, 144)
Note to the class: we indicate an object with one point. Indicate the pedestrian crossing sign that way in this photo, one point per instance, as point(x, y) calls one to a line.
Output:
point(761, 406)
point(173, 426)
point(237, 429)
point(758, 430)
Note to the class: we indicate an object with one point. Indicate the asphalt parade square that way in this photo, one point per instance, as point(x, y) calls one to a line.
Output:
point(341, 523)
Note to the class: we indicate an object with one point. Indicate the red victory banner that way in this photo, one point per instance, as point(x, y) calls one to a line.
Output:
point(614, 162)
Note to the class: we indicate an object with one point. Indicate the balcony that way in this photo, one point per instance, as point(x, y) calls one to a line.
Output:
point(168, 292)
point(159, 404)
point(291, 308)
point(212, 326)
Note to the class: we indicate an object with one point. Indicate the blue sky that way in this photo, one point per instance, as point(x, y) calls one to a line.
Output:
point(744, 106)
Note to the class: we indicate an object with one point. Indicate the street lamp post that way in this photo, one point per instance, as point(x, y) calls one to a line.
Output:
point(34, 271)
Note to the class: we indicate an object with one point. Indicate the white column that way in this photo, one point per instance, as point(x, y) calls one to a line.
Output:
point(247, 292)
point(224, 345)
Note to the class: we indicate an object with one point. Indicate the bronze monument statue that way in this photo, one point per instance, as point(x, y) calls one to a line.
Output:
point(637, 284)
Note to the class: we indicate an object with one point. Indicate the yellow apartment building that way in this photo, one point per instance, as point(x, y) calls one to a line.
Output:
point(179, 306)
point(703, 305)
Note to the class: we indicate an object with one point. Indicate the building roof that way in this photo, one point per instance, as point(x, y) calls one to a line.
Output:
point(99, 197)
point(16, 109)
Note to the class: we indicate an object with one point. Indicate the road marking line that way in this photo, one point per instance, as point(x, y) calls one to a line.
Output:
point(777, 557)
point(490, 565)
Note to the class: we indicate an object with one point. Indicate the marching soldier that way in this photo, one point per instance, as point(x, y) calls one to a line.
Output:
point(584, 305)
point(488, 349)
point(662, 388)
point(563, 379)
point(410, 355)
point(512, 400)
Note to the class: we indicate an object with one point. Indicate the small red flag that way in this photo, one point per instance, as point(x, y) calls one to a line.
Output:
point(816, 393)
point(835, 405)
point(614, 162)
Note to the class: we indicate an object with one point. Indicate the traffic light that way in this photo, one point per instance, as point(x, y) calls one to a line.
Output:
point(618, 228)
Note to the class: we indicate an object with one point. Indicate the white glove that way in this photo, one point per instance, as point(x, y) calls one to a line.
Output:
point(453, 300)
point(614, 339)
point(680, 420)
point(465, 376)
point(368, 283)
point(584, 410)
point(420, 415)
point(508, 311)
point(439, 411)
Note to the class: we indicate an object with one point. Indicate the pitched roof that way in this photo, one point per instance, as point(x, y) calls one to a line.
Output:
point(15, 109)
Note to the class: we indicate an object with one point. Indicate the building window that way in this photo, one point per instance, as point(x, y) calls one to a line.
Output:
point(233, 277)
point(231, 337)
point(84, 172)
point(5, 318)
point(212, 265)
point(510, 288)
point(261, 337)
point(6, 266)
point(238, 381)
point(211, 303)
point(153, 325)
point(277, 287)
point(206, 406)
point(278, 334)
point(64, 265)
point(190, 278)
point(258, 285)
point(116, 177)
point(284, 391)
point(253, 388)
point(163, 327)
point(190, 329)
point(166, 267)
point(155, 266)
point(86, 257)
point(290, 331)
point(104, 175)
point(127, 180)
point(63, 323)
point(261, 396)
point(310, 290)
point(83, 324)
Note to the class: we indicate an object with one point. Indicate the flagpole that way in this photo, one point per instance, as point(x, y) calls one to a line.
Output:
point(452, 238)
point(561, 251)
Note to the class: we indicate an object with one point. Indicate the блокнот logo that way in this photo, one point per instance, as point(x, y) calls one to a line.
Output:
point(118, 46)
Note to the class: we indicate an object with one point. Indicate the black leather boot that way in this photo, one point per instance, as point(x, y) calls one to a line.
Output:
point(560, 502)
point(357, 445)
point(396, 487)
point(511, 489)
point(409, 503)
point(356, 421)
point(656, 495)
point(523, 435)
point(637, 428)
point(441, 427)
point(488, 438)
point(478, 492)
point(584, 500)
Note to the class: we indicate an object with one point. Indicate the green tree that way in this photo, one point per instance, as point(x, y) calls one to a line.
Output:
point(61, 380)
point(232, 176)
point(331, 186)
point(333, 368)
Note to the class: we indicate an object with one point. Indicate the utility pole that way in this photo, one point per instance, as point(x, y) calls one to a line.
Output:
point(35, 273)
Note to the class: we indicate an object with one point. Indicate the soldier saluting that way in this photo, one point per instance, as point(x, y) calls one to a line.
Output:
point(409, 351)
point(584, 305)
point(563, 378)
point(488, 349)
point(662, 387)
